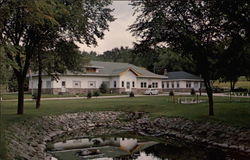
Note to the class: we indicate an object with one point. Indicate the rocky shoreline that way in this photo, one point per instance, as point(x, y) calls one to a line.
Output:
point(28, 139)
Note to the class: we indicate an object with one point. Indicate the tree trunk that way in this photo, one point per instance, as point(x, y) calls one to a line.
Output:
point(211, 102)
point(20, 81)
point(232, 85)
point(39, 91)
point(210, 97)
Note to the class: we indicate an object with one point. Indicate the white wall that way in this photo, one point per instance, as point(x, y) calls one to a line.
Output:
point(34, 82)
point(149, 81)
point(117, 79)
point(127, 76)
point(182, 84)
point(84, 81)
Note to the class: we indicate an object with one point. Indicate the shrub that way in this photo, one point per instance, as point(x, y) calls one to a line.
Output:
point(103, 88)
point(34, 96)
point(89, 95)
point(96, 93)
point(131, 94)
point(192, 92)
point(124, 93)
point(171, 93)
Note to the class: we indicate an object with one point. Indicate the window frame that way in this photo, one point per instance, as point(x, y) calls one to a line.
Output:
point(76, 86)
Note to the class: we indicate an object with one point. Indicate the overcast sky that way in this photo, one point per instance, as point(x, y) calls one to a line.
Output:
point(117, 36)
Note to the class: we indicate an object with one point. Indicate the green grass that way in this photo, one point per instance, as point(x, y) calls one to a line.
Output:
point(242, 82)
point(28, 96)
point(236, 113)
point(12, 96)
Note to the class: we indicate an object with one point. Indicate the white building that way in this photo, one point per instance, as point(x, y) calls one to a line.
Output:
point(119, 78)
point(182, 81)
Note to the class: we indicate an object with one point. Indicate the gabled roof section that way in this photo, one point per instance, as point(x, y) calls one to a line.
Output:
point(132, 70)
point(115, 68)
point(182, 75)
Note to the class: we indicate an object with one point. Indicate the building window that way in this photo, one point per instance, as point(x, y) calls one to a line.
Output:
point(92, 84)
point(91, 70)
point(48, 84)
point(145, 85)
point(167, 84)
point(114, 84)
point(188, 84)
point(76, 84)
point(141, 84)
point(177, 85)
point(156, 84)
point(122, 83)
point(172, 84)
point(153, 85)
point(162, 85)
point(63, 84)
point(133, 84)
point(128, 85)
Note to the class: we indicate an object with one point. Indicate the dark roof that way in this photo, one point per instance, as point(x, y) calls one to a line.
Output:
point(181, 75)
point(114, 68)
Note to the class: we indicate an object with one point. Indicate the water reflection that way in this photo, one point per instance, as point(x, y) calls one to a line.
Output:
point(120, 148)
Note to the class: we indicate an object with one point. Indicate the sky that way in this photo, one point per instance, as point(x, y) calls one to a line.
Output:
point(117, 35)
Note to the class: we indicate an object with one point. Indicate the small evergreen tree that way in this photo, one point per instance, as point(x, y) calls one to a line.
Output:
point(103, 88)
point(96, 93)
point(89, 95)
point(192, 92)
point(171, 93)
point(131, 94)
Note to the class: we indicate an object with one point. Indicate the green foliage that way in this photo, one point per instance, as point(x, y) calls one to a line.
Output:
point(131, 94)
point(89, 95)
point(103, 88)
point(96, 93)
point(171, 93)
point(31, 28)
point(203, 31)
point(192, 92)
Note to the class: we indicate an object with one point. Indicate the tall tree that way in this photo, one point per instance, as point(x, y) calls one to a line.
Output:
point(27, 26)
point(202, 30)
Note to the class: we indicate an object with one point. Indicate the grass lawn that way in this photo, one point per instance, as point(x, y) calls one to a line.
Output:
point(242, 82)
point(236, 113)
point(28, 96)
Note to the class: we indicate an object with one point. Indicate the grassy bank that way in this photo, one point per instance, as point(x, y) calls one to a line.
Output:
point(236, 113)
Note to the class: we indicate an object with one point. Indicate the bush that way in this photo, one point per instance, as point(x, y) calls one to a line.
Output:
point(131, 94)
point(103, 88)
point(192, 92)
point(96, 93)
point(89, 95)
point(34, 96)
point(171, 93)
point(240, 89)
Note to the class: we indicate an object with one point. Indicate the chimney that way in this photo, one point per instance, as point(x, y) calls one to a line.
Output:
point(165, 72)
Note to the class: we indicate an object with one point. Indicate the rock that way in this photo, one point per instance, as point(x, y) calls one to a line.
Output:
point(29, 139)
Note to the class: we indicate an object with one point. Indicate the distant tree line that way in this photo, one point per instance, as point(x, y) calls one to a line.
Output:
point(155, 60)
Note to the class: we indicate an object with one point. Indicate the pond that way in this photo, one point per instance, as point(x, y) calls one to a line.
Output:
point(139, 148)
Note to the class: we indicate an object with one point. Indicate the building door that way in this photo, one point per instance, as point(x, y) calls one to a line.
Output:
point(128, 87)
point(63, 86)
